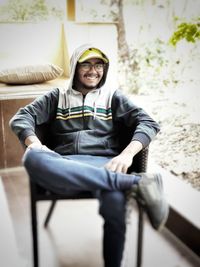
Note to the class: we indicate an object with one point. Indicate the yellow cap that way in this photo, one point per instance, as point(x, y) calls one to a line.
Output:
point(92, 53)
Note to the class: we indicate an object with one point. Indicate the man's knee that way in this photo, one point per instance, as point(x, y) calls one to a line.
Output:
point(27, 157)
point(31, 158)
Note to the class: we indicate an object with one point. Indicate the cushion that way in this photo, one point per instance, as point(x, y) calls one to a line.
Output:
point(30, 74)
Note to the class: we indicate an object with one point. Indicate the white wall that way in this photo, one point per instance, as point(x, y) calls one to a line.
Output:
point(32, 43)
point(29, 43)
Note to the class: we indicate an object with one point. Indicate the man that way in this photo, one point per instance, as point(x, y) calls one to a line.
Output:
point(84, 122)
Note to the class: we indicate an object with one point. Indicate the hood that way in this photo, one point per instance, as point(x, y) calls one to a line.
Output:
point(74, 59)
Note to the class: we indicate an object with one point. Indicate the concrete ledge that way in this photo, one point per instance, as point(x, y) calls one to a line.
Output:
point(184, 230)
point(13, 92)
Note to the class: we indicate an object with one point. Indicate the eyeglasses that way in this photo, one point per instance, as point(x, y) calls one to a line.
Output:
point(87, 66)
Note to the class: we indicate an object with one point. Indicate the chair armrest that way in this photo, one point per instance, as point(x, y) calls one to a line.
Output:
point(140, 161)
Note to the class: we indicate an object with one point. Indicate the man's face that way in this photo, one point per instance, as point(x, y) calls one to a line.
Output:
point(90, 73)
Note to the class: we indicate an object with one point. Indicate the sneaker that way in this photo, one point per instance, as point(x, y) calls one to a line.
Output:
point(149, 193)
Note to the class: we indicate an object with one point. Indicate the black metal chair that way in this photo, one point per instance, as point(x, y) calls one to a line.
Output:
point(38, 193)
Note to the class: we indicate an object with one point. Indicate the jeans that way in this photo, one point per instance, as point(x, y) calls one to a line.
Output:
point(75, 173)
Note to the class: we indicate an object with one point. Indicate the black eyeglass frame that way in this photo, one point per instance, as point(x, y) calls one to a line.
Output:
point(86, 66)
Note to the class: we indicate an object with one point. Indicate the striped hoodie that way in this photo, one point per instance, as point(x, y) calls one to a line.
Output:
point(91, 124)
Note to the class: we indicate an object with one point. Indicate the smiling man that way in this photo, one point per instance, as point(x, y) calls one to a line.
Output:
point(86, 155)
point(90, 70)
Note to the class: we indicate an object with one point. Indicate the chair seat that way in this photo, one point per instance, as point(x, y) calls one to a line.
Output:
point(41, 193)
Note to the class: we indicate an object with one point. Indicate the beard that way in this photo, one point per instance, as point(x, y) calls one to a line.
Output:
point(88, 87)
point(80, 85)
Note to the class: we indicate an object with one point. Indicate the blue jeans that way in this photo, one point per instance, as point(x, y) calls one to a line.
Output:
point(75, 173)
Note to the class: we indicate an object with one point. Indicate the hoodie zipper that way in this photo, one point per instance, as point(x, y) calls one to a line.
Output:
point(84, 127)
point(84, 122)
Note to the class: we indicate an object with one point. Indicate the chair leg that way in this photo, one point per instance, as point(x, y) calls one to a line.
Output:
point(34, 232)
point(140, 236)
point(49, 213)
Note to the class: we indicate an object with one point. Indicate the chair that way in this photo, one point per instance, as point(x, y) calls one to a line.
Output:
point(38, 193)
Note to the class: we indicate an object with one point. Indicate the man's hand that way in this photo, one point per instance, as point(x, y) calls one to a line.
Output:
point(123, 161)
point(38, 146)
point(33, 142)
point(120, 163)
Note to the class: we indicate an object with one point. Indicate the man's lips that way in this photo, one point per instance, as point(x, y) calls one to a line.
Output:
point(91, 77)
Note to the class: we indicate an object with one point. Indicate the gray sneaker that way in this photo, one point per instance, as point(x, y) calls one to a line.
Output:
point(149, 193)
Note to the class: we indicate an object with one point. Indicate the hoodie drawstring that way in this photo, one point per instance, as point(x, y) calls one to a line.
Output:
point(69, 101)
point(95, 107)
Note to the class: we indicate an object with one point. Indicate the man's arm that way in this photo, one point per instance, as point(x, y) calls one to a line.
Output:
point(125, 113)
point(142, 127)
point(40, 111)
point(123, 161)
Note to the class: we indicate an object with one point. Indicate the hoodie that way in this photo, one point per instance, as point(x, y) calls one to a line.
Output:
point(92, 125)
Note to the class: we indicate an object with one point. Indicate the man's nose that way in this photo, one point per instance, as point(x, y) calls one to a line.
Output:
point(92, 68)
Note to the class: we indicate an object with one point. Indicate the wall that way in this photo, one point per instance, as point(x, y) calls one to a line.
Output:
point(54, 42)
point(32, 43)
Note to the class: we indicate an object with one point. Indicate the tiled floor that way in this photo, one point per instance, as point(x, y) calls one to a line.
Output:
point(74, 235)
